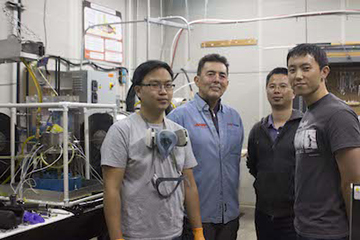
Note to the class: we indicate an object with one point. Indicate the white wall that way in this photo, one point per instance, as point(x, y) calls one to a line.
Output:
point(6, 81)
point(249, 65)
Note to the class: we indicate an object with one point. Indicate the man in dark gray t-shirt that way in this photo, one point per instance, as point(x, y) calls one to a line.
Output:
point(327, 145)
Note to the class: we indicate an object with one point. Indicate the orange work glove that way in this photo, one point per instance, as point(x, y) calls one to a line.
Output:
point(198, 234)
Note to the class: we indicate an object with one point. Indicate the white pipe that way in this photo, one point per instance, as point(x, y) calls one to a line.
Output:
point(51, 203)
point(65, 155)
point(260, 50)
point(295, 15)
point(185, 85)
point(148, 31)
point(161, 31)
point(188, 28)
point(14, 65)
point(114, 114)
point(56, 104)
point(87, 143)
point(99, 195)
point(129, 43)
point(343, 25)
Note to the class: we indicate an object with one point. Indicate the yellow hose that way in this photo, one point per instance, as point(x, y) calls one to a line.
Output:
point(37, 85)
point(58, 167)
point(38, 89)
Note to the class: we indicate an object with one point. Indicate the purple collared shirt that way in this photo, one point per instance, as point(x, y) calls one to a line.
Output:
point(272, 130)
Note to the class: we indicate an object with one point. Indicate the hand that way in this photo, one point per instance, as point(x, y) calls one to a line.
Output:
point(198, 234)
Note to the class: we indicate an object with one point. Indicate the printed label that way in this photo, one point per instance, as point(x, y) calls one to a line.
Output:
point(357, 193)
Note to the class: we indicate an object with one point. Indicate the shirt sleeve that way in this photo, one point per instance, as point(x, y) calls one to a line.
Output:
point(242, 133)
point(175, 117)
point(343, 129)
point(190, 160)
point(252, 152)
point(114, 150)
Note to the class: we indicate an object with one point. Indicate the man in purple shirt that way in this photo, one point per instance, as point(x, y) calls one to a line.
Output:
point(271, 160)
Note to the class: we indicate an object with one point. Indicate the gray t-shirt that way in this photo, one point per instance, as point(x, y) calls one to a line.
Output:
point(145, 215)
point(327, 126)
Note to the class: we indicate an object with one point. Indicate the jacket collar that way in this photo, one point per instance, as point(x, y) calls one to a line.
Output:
point(295, 114)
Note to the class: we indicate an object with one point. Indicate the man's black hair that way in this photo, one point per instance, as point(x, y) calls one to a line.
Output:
point(139, 74)
point(311, 49)
point(278, 70)
point(214, 57)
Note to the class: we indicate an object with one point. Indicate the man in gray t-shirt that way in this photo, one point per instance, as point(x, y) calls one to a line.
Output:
point(327, 145)
point(144, 194)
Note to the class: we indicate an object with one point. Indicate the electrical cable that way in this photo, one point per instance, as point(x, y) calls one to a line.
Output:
point(82, 155)
point(188, 80)
point(22, 176)
point(37, 85)
point(42, 75)
point(21, 154)
point(51, 165)
point(92, 64)
point(176, 75)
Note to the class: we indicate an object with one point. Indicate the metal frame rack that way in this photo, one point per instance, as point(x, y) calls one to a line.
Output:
point(64, 108)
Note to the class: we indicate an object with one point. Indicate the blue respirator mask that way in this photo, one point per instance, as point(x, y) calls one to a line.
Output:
point(165, 140)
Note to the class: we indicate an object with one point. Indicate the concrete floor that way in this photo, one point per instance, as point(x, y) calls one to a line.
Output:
point(247, 227)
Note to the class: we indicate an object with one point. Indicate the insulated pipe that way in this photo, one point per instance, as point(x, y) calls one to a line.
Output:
point(148, 31)
point(161, 31)
point(87, 143)
point(188, 28)
point(260, 51)
point(12, 143)
point(295, 15)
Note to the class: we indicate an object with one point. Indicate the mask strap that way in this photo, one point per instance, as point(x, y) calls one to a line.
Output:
point(163, 179)
point(160, 180)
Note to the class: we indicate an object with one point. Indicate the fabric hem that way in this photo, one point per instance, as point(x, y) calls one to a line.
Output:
point(178, 234)
point(313, 235)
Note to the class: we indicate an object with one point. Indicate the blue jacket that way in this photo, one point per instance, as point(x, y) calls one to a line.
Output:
point(218, 155)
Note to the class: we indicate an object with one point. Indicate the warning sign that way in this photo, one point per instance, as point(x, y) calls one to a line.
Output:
point(105, 42)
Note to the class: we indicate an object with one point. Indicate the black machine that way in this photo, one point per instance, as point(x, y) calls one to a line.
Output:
point(99, 124)
point(5, 145)
point(355, 212)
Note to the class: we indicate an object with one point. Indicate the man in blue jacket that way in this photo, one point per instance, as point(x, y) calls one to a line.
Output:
point(271, 160)
point(216, 134)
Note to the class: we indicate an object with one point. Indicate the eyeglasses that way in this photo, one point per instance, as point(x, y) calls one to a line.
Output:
point(158, 86)
point(282, 87)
